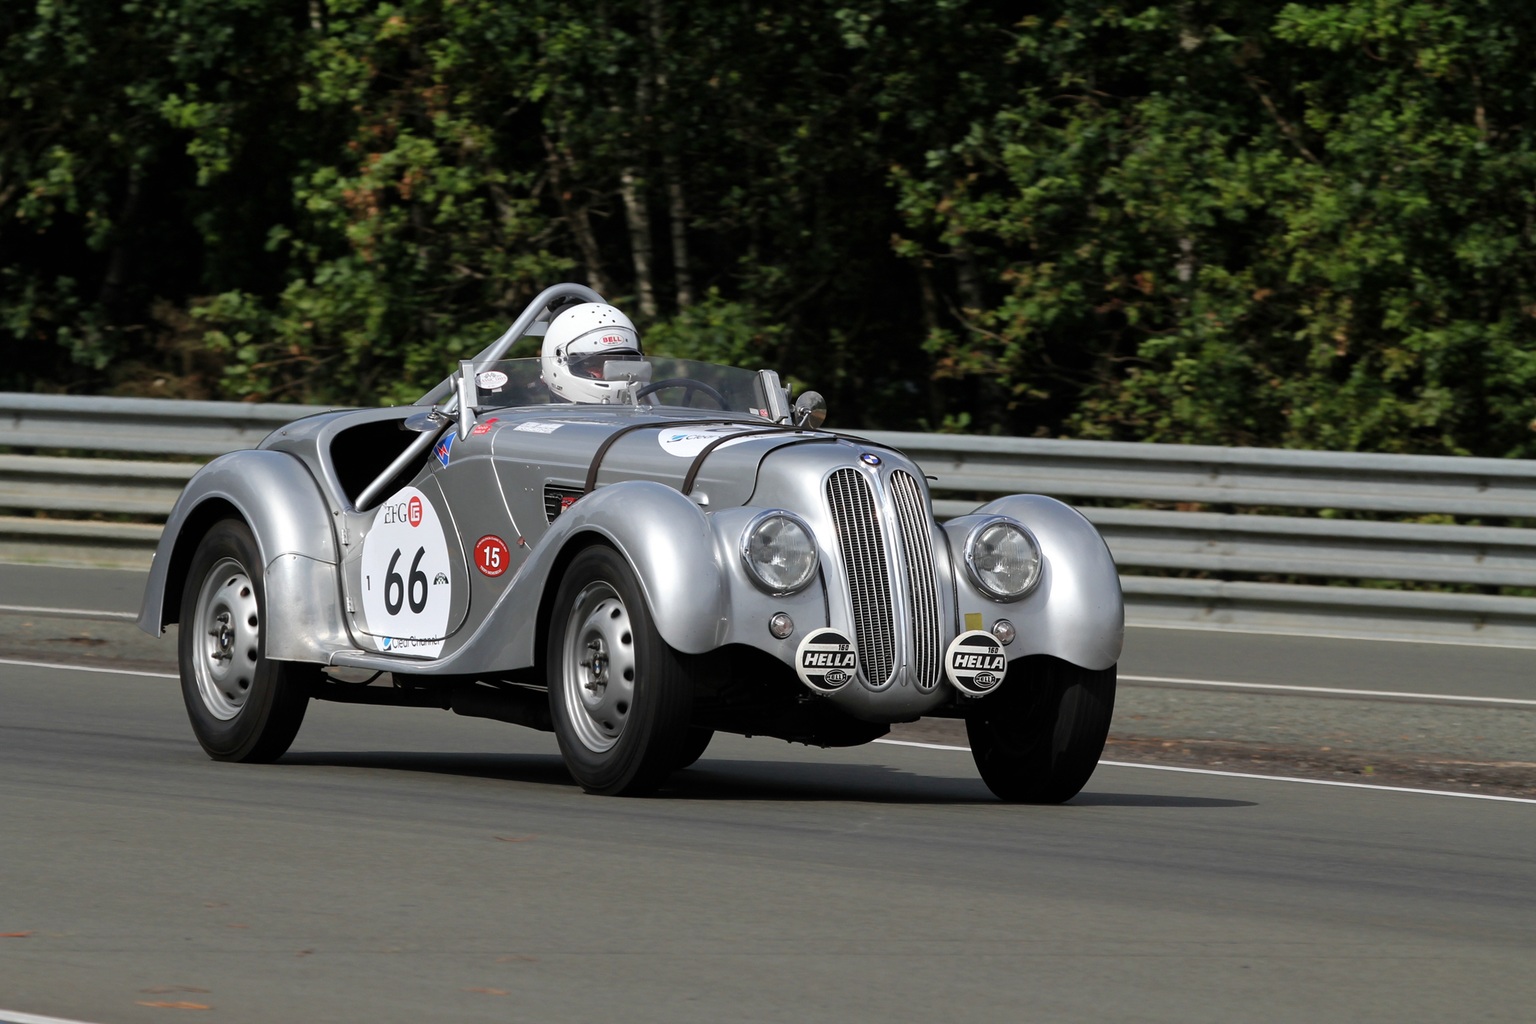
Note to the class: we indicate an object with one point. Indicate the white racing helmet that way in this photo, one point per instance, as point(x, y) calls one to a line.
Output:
point(580, 340)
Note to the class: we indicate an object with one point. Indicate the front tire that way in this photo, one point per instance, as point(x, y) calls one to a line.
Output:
point(1038, 738)
point(695, 742)
point(243, 705)
point(619, 695)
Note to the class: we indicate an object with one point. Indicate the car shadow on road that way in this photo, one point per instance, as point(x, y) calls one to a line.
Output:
point(808, 781)
point(543, 769)
point(709, 779)
point(734, 780)
point(1088, 798)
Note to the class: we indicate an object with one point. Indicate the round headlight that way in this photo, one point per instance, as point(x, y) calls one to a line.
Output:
point(779, 553)
point(1003, 559)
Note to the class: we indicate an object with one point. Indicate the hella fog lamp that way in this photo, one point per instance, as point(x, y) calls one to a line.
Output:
point(779, 553)
point(1003, 559)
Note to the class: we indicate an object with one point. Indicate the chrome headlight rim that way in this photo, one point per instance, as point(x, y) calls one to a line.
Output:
point(981, 579)
point(768, 586)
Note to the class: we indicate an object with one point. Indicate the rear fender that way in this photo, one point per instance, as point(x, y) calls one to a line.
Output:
point(1076, 612)
point(279, 500)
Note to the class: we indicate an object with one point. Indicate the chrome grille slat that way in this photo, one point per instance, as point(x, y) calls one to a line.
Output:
point(922, 580)
point(861, 543)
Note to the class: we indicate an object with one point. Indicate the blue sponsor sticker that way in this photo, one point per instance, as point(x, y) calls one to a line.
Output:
point(444, 449)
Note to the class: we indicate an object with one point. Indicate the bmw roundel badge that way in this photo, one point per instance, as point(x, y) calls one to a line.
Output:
point(869, 459)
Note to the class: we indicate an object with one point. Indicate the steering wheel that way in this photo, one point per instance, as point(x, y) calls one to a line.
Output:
point(688, 385)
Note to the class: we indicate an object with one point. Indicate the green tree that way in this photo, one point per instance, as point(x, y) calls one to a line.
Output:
point(1223, 221)
point(1213, 222)
point(101, 210)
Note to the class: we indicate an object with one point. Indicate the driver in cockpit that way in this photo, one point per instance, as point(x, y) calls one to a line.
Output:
point(580, 342)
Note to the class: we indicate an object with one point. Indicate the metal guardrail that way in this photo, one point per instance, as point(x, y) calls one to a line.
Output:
point(145, 426)
point(107, 512)
point(1253, 477)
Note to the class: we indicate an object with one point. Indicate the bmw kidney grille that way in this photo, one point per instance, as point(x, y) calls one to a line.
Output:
point(867, 558)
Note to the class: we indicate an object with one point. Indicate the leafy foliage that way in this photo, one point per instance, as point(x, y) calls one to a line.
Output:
point(1209, 223)
point(1217, 221)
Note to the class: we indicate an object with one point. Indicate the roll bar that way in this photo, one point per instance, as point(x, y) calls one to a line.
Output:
point(555, 294)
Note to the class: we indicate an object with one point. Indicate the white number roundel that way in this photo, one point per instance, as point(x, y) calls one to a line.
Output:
point(407, 577)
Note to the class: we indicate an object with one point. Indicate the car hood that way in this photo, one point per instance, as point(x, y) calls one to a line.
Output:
point(720, 463)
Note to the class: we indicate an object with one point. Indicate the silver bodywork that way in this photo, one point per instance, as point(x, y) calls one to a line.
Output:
point(890, 579)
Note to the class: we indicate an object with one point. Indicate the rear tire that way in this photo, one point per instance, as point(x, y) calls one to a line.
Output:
point(243, 706)
point(1039, 737)
point(619, 696)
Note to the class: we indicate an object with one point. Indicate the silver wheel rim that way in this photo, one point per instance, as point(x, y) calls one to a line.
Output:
point(227, 639)
point(597, 671)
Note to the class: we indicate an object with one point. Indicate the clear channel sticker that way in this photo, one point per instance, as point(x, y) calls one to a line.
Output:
point(826, 660)
point(688, 443)
point(975, 663)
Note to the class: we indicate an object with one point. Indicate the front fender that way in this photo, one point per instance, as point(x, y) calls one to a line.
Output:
point(279, 500)
point(667, 539)
point(1076, 613)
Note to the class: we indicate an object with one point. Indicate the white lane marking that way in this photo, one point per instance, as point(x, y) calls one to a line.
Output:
point(1306, 634)
point(1320, 782)
point(1224, 684)
point(1215, 684)
point(88, 668)
point(1250, 775)
point(68, 613)
point(924, 746)
point(946, 746)
point(16, 1017)
point(1221, 684)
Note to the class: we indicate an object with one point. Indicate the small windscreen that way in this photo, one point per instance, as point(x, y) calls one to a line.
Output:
point(671, 383)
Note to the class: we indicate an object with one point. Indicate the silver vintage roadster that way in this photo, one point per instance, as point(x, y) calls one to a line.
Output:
point(635, 553)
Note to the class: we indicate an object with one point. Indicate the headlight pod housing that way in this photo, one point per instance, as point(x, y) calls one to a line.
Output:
point(779, 553)
point(1003, 559)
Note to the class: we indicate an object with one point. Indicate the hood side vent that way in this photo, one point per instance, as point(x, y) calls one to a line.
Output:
point(557, 499)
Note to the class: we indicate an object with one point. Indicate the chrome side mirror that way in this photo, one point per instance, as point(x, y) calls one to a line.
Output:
point(810, 410)
point(421, 422)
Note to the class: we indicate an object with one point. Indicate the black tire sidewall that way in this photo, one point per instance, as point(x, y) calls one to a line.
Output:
point(1041, 741)
point(266, 723)
point(647, 748)
point(695, 741)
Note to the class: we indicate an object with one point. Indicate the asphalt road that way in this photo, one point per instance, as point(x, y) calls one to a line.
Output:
point(1416, 715)
point(412, 865)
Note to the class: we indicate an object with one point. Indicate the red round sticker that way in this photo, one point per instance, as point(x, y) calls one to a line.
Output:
point(491, 555)
point(414, 512)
